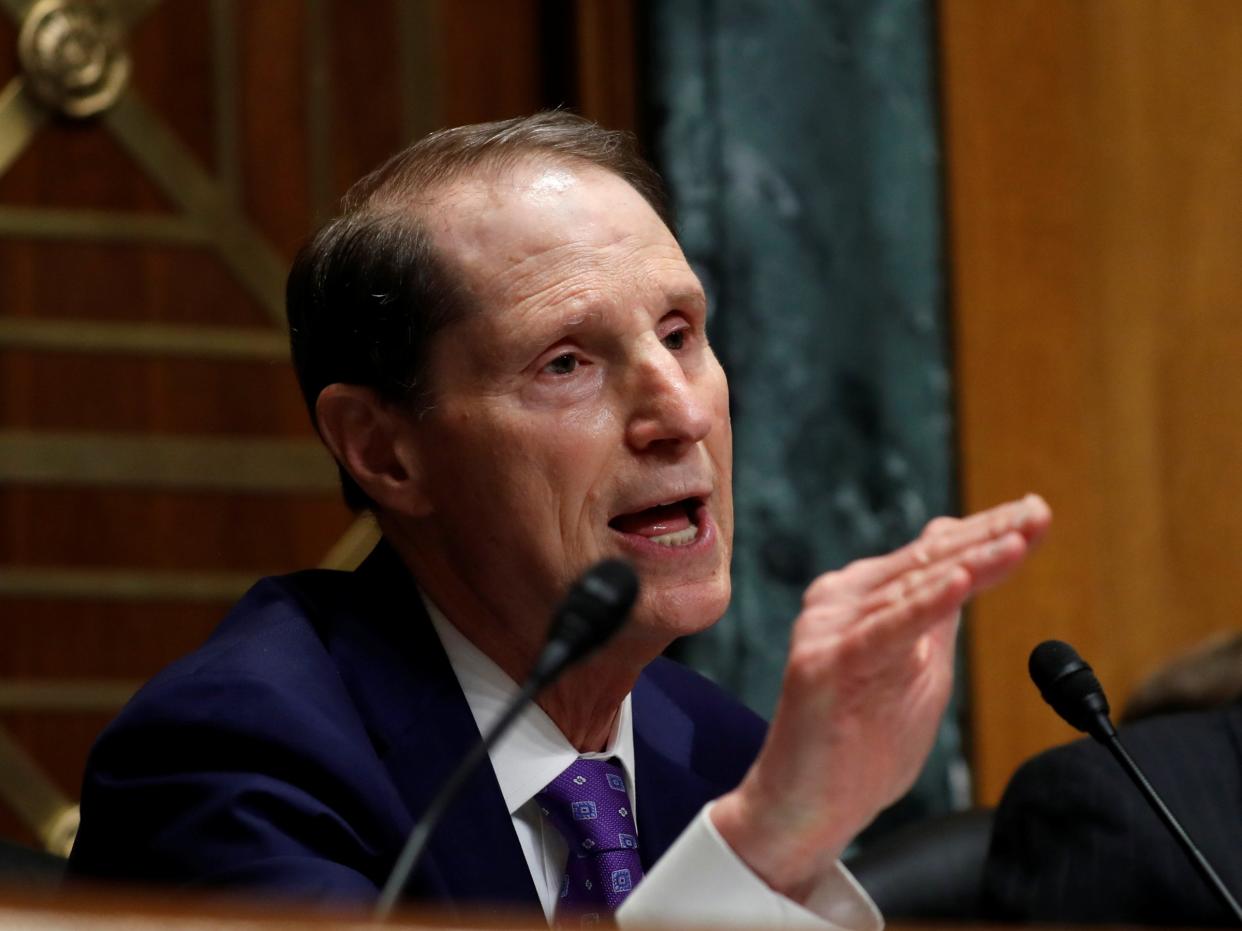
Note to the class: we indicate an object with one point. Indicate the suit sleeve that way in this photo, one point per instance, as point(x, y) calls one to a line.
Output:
point(1061, 801)
point(224, 782)
point(1075, 841)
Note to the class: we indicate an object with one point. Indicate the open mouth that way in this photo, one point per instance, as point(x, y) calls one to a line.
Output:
point(675, 523)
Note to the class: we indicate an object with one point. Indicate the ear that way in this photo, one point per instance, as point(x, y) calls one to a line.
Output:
point(374, 441)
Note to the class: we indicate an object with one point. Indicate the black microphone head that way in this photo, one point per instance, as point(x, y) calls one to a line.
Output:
point(1069, 685)
point(595, 608)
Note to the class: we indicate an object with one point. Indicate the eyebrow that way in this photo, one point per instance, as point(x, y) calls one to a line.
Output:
point(691, 295)
point(538, 337)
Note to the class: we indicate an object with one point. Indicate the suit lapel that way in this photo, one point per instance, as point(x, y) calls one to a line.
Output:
point(423, 727)
point(406, 692)
point(670, 790)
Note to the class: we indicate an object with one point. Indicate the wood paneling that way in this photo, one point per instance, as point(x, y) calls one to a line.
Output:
point(487, 51)
point(127, 528)
point(367, 129)
point(608, 79)
point(113, 183)
point(273, 109)
point(269, 111)
point(61, 391)
point(136, 285)
point(1094, 154)
point(178, 66)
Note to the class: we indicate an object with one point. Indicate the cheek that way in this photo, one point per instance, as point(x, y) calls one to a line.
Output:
point(721, 446)
point(720, 441)
point(541, 469)
point(575, 444)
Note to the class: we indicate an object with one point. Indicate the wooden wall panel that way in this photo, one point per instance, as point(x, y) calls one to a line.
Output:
point(101, 584)
point(367, 128)
point(274, 107)
point(148, 285)
point(179, 530)
point(172, 41)
point(113, 182)
point(487, 49)
point(608, 78)
point(59, 391)
point(142, 259)
point(1093, 155)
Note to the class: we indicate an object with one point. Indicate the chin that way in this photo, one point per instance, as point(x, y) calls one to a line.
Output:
point(678, 612)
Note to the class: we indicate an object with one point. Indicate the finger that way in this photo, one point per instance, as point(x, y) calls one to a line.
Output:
point(943, 541)
point(894, 627)
point(988, 564)
point(992, 563)
point(1029, 517)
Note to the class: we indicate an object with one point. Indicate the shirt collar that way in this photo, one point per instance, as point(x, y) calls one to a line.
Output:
point(534, 752)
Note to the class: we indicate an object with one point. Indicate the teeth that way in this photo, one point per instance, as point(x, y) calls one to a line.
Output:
point(677, 537)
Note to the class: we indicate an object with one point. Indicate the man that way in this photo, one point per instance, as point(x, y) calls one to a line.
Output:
point(505, 350)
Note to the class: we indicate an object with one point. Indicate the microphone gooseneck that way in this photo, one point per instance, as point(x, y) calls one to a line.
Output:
point(1069, 685)
point(595, 608)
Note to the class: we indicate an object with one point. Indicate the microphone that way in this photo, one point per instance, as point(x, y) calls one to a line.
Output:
point(595, 608)
point(1069, 685)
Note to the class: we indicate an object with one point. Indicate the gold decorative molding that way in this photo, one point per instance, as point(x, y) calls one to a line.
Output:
point(233, 344)
point(233, 464)
point(61, 695)
point(59, 831)
point(73, 56)
point(17, 9)
point(133, 585)
point(352, 548)
point(20, 118)
point(100, 226)
point(34, 798)
point(173, 167)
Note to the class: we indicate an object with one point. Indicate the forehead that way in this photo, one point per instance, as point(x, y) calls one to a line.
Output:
point(543, 232)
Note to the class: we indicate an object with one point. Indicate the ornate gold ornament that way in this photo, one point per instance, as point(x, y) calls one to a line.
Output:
point(72, 53)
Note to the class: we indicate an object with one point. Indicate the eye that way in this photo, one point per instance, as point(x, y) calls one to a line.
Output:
point(564, 364)
point(675, 340)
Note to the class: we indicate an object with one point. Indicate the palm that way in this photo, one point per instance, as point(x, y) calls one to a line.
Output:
point(869, 674)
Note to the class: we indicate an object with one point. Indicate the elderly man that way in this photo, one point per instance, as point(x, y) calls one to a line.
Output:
point(505, 350)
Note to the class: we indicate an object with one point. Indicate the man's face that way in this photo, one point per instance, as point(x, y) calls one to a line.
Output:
point(579, 413)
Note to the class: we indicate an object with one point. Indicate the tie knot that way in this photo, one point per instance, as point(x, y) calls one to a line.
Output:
point(589, 804)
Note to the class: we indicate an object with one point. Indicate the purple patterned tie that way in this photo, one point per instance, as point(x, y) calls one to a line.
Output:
point(589, 805)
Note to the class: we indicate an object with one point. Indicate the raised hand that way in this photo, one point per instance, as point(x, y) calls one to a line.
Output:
point(869, 675)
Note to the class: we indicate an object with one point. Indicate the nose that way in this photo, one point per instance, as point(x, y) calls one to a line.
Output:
point(670, 410)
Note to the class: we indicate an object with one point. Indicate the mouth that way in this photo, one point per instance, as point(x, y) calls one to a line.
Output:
point(671, 524)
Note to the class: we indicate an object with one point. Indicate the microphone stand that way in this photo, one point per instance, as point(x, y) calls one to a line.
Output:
point(1196, 857)
point(595, 608)
point(422, 832)
point(1069, 685)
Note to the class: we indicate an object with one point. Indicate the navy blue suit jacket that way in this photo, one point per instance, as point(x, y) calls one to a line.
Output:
point(1075, 841)
point(294, 751)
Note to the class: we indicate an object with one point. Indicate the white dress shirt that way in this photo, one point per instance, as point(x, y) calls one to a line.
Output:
point(699, 881)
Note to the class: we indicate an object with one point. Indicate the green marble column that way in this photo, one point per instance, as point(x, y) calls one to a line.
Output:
point(800, 141)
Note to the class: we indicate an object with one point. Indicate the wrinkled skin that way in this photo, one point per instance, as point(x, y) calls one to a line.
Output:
point(869, 675)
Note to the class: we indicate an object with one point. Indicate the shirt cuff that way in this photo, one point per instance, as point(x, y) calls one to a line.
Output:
point(700, 881)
